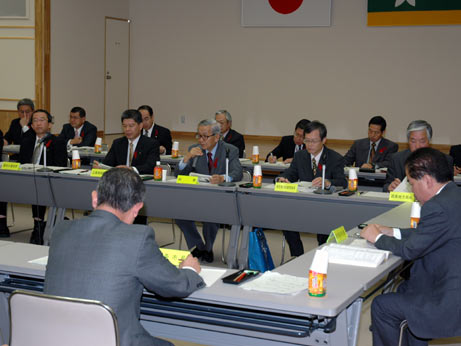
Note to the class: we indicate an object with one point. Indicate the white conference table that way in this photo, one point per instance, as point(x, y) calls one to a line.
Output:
point(226, 314)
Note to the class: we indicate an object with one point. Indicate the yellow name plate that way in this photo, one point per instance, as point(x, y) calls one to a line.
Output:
point(402, 196)
point(175, 256)
point(185, 179)
point(286, 187)
point(339, 234)
point(98, 172)
point(11, 166)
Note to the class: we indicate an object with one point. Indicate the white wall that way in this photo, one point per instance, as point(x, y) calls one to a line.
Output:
point(77, 56)
point(193, 57)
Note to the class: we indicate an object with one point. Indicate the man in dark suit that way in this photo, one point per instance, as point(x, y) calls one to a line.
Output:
point(33, 151)
point(155, 131)
point(307, 165)
point(455, 153)
point(374, 151)
point(79, 132)
point(430, 299)
point(289, 145)
point(207, 157)
point(419, 135)
point(229, 135)
point(20, 126)
point(133, 150)
point(4, 230)
point(115, 260)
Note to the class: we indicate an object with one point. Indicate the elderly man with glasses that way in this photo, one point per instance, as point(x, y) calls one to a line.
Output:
point(207, 157)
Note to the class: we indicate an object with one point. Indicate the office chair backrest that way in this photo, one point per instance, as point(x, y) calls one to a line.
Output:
point(246, 178)
point(45, 320)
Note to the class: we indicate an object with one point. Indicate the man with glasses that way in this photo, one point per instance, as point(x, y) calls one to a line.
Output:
point(229, 135)
point(207, 157)
point(21, 125)
point(307, 165)
point(79, 132)
point(289, 145)
point(374, 151)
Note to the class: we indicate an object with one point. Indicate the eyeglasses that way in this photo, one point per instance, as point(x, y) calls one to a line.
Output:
point(312, 141)
point(204, 137)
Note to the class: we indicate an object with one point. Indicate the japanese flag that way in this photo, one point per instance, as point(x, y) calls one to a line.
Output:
point(286, 12)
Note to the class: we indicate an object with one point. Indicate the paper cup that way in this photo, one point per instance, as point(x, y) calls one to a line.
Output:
point(164, 175)
point(175, 146)
point(320, 262)
point(98, 141)
point(257, 170)
point(255, 150)
point(415, 210)
point(352, 173)
point(75, 155)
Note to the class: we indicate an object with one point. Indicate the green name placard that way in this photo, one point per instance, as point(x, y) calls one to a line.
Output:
point(339, 234)
point(402, 196)
point(286, 187)
point(185, 179)
point(11, 166)
point(98, 172)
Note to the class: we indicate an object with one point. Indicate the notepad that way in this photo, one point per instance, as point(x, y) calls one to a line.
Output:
point(356, 256)
point(273, 282)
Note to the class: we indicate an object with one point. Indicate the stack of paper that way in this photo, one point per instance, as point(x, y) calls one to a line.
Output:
point(273, 282)
point(356, 256)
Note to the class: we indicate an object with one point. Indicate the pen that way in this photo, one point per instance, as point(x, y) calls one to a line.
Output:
point(240, 277)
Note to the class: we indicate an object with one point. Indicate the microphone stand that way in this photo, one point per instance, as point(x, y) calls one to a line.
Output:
point(45, 169)
point(226, 182)
point(322, 190)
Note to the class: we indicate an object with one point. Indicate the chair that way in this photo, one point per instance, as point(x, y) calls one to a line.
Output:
point(45, 320)
point(403, 327)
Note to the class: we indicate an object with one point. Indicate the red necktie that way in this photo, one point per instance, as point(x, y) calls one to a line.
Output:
point(210, 162)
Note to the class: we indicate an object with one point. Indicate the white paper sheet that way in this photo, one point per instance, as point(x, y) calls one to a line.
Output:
point(273, 282)
point(211, 275)
point(41, 261)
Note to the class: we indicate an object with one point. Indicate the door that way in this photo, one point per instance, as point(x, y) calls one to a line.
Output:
point(117, 78)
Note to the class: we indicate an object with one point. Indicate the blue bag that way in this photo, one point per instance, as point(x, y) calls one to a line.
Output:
point(259, 255)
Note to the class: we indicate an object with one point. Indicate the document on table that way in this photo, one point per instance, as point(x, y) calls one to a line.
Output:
point(41, 261)
point(404, 186)
point(356, 256)
point(211, 275)
point(375, 194)
point(273, 282)
point(203, 178)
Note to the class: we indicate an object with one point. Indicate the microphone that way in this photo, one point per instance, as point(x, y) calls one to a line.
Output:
point(194, 162)
point(44, 138)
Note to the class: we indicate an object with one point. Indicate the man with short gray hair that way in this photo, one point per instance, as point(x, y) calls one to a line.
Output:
point(229, 135)
point(419, 135)
point(104, 257)
point(207, 157)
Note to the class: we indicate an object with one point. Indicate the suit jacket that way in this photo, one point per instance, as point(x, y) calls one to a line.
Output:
point(455, 153)
point(301, 167)
point(236, 139)
point(359, 150)
point(100, 257)
point(163, 136)
point(88, 134)
point(433, 290)
point(285, 149)
point(56, 150)
point(201, 165)
point(14, 135)
point(396, 168)
point(145, 155)
point(1, 141)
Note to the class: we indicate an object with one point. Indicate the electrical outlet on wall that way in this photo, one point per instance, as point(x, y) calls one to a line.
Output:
point(182, 119)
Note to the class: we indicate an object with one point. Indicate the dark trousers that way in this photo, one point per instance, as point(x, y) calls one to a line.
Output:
point(38, 211)
point(3, 206)
point(387, 312)
point(193, 238)
point(294, 242)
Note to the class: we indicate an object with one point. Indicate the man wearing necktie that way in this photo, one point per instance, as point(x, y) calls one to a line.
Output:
point(207, 157)
point(375, 151)
point(133, 150)
point(79, 132)
point(307, 165)
point(289, 145)
point(155, 131)
point(32, 151)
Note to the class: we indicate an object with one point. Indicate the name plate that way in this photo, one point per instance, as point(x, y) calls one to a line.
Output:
point(339, 234)
point(185, 179)
point(98, 172)
point(175, 256)
point(402, 196)
point(286, 187)
point(11, 166)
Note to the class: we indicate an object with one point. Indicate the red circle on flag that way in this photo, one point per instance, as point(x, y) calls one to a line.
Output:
point(285, 6)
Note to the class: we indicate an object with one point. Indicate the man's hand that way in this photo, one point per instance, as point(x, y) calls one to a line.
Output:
point(195, 151)
point(272, 159)
point(288, 160)
point(95, 164)
point(24, 119)
point(162, 150)
point(370, 233)
point(317, 182)
point(394, 184)
point(76, 140)
point(456, 170)
point(192, 262)
point(282, 180)
point(367, 165)
point(216, 179)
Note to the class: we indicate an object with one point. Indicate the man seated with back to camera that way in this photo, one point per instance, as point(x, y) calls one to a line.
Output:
point(115, 260)
point(307, 165)
point(207, 157)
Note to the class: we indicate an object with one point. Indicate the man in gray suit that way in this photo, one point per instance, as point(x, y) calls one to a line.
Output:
point(375, 150)
point(106, 258)
point(430, 299)
point(208, 157)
